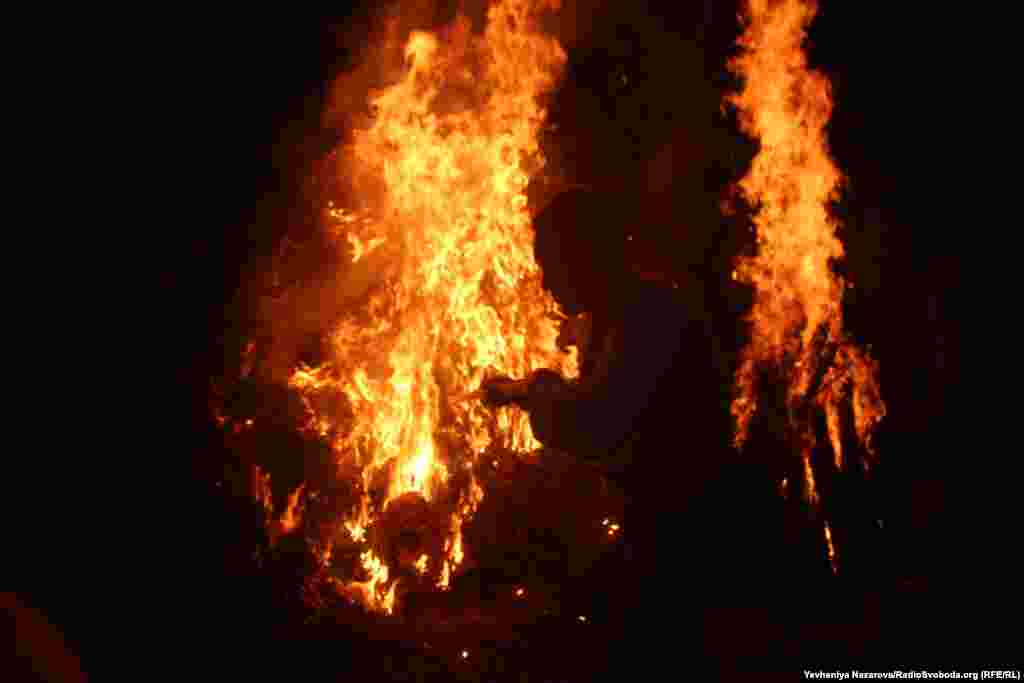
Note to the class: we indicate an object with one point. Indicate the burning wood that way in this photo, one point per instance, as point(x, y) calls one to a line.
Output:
point(435, 219)
point(412, 485)
point(796, 322)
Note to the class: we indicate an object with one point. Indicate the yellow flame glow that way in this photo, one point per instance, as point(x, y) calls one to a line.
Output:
point(452, 146)
point(798, 298)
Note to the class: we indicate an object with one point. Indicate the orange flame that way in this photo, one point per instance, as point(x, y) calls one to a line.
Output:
point(451, 148)
point(798, 298)
point(831, 548)
point(292, 514)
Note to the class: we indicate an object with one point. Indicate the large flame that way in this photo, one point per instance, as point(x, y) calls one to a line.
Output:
point(449, 152)
point(796, 321)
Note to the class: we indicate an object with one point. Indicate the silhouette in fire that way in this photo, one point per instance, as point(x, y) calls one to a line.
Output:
point(649, 405)
point(643, 331)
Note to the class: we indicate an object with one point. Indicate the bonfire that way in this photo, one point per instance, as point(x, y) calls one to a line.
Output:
point(431, 213)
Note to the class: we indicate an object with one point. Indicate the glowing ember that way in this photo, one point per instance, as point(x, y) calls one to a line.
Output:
point(831, 549)
point(291, 518)
point(797, 313)
point(450, 150)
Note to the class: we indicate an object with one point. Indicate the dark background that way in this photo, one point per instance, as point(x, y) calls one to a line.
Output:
point(248, 94)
